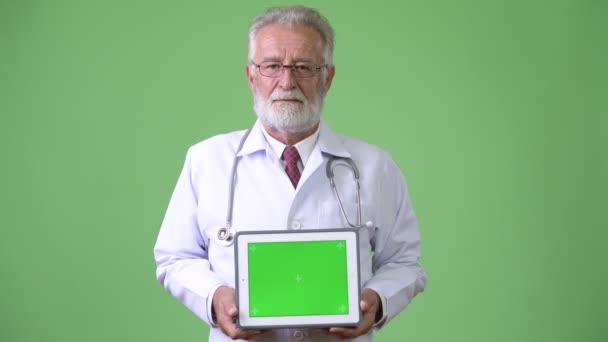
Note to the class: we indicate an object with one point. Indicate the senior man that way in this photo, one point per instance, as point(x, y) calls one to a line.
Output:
point(281, 184)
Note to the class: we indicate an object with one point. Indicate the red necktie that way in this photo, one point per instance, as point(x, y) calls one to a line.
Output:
point(291, 157)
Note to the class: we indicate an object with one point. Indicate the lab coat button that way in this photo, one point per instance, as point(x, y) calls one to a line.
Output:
point(298, 335)
point(295, 224)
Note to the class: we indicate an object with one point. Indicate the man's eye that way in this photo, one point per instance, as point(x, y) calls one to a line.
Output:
point(303, 67)
point(272, 66)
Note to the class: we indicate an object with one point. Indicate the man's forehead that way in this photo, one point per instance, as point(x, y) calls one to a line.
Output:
point(278, 41)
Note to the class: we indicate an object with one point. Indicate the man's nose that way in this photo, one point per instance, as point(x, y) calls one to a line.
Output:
point(287, 80)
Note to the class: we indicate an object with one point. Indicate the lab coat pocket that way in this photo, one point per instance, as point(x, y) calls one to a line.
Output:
point(332, 216)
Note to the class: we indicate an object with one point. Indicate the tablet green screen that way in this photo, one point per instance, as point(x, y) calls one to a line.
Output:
point(297, 278)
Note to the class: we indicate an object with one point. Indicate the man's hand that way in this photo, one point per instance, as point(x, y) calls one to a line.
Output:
point(370, 303)
point(226, 312)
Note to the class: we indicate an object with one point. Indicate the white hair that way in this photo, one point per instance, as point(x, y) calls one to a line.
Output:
point(294, 16)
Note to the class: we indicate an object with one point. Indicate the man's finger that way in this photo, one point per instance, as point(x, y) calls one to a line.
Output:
point(226, 322)
point(246, 334)
point(344, 333)
point(231, 330)
point(322, 330)
point(232, 311)
point(249, 334)
point(366, 324)
point(363, 328)
point(364, 306)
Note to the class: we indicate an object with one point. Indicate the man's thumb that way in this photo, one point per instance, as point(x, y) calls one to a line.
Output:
point(233, 311)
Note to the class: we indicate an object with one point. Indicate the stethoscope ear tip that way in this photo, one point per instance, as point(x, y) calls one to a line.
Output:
point(369, 224)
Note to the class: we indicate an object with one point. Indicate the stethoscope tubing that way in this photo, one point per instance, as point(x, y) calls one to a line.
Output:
point(226, 234)
point(329, 169)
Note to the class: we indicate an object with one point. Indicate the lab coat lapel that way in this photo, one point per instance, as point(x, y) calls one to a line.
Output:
point(331, 143)
point(255, 143)
point(328, 143)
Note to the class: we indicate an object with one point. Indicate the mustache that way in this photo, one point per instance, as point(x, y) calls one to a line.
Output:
point(295, 94)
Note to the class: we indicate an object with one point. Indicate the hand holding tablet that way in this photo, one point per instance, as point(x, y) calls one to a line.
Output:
point(370, 304)
point(226, 311)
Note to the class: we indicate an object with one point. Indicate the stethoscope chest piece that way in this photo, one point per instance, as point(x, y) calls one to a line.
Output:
point(225, 236)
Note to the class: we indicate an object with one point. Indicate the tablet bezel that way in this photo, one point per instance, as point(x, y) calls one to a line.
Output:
point(245, 321)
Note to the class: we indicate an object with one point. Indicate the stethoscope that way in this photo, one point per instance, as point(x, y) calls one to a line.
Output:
point(226, 234)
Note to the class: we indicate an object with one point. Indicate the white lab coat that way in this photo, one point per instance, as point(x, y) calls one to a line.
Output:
point(191, 262)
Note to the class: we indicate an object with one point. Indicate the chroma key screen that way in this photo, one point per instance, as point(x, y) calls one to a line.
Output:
point(297, 278)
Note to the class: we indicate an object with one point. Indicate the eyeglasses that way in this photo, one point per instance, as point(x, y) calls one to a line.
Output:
point(301, 70)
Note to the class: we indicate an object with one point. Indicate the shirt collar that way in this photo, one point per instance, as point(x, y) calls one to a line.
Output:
point(327, 141)
point(330, 142)
point(304, 146)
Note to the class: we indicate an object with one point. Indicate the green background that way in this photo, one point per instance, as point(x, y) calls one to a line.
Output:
point(285, 276)
point(495, 110)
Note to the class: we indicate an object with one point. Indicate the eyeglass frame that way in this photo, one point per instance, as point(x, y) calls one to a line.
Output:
point(316, 69)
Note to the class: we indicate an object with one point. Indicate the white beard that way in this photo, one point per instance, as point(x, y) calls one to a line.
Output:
point(288, 117)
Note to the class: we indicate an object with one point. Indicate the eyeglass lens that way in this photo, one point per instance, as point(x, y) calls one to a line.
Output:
point(274, 69)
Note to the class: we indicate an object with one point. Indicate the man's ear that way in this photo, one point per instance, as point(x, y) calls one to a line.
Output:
point(249, 73)
point(330, 77)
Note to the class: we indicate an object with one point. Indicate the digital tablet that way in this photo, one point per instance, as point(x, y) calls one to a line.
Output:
point(292, 279)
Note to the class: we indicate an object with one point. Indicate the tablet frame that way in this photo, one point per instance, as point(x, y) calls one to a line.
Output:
point(245, 321)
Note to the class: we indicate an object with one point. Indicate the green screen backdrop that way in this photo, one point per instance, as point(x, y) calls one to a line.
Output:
point(494, 110)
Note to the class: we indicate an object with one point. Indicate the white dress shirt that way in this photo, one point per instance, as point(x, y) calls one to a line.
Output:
point(304, 147)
